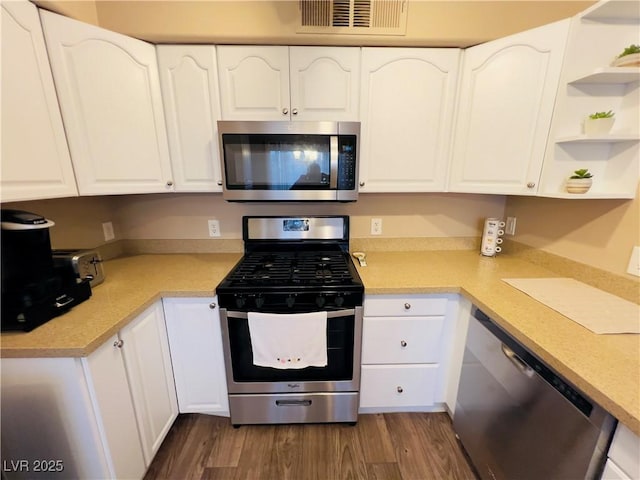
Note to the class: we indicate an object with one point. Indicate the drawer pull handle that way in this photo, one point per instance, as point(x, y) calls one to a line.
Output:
point(118, 343)
point(212, 305)
point(400, 389)
point(403, 343)
point(407, 306)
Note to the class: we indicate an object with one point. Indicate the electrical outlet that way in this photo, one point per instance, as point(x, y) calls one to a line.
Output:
point(376, 226)
point(107, 230)
point(634, 262)
point(214, 228)
point(510, 227)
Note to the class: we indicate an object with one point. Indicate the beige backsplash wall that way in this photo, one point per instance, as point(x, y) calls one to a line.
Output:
point(78, 221)
point(600, 233)
point(184, 216)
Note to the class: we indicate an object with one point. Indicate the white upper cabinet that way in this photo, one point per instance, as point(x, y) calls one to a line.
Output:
point(110, 99)
point(408, 98)
point(325, 83)
point(35, 156)
point(507, 96)
point(590, 84)
point(189, 81)
point(289, 83)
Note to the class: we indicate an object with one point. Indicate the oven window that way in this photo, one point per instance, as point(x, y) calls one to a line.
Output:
point(277, 162)
point(340, 340)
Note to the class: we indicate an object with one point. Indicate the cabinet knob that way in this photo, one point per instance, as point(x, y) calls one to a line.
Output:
point(212, 305)
point(220, 182)
point(399, 389)
point(531, 185)
point(403, 343)
point(118, 343)
point(407, 306)
point(361, 184)
point(294, 111)
point(285, 111)
point(169, 183)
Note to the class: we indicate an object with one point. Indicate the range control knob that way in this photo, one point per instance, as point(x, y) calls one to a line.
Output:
point(290, 301)
point(240, 302)
point(339, 301)
point(259, 302)
point(320, 301)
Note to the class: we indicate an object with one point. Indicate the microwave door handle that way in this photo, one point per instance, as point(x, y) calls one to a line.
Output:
point(333, 179)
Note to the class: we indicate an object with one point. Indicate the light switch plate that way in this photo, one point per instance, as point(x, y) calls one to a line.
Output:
point(214, 228)
point(376, 226)
point(634, 262)
point(107, 230)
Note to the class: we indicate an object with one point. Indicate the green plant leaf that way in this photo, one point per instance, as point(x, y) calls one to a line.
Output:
point(596, 115)
point(630, 50)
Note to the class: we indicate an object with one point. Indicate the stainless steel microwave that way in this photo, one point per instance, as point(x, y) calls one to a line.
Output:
point(289, 161)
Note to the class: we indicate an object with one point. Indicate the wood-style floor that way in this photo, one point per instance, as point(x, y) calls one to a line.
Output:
point(394, 446)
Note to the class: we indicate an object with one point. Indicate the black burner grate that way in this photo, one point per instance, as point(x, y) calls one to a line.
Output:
point(292, 268)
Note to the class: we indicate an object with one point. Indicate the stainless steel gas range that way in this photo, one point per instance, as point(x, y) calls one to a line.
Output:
point(291, 315)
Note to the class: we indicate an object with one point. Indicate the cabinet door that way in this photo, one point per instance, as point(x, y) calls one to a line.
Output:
point(148, 362)
point(408, 97)
point(109, 389)
point(35, 156)
point(189, 81)
point(254, 82)
point(325, 83)
point(195, 340)
point(504, 113)
point(110, 99)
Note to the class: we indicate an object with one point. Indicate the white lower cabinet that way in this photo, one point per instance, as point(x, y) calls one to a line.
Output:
point(623, 462)
point(101, 416)
point(193, 326)
point(405, 352)
point(148, 363)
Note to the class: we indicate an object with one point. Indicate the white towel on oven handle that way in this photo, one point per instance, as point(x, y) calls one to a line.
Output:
point(283, 341)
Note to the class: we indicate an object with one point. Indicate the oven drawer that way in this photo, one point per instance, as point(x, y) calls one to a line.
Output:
point(403, 305)
point(398, 385)
point(293, 408)
point(401, 340)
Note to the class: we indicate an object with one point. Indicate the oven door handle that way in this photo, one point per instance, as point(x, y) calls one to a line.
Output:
point(332, 314)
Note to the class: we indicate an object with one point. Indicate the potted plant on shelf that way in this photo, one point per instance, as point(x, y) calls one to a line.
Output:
point(630, 57)
point(599, 123)
point(580, 181)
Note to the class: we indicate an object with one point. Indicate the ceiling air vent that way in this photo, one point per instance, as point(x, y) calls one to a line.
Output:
point(353, 17)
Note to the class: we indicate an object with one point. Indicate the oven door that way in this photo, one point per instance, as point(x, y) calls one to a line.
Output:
point(267, 161)
point(342, 373)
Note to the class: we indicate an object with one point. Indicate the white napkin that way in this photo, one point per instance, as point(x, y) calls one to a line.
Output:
point(285, 341)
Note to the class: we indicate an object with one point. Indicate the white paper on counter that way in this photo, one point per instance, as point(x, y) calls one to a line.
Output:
point(599, 311)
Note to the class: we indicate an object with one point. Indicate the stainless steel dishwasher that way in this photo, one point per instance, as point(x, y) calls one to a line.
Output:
point(518, 419)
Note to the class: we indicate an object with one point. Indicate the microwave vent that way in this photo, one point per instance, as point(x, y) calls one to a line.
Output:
point(353, 17)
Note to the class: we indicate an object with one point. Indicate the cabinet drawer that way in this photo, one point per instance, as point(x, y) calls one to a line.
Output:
point(403, 305)
point(402, 340)
point(398, 385)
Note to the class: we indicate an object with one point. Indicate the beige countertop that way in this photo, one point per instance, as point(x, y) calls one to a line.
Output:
point(605, 367)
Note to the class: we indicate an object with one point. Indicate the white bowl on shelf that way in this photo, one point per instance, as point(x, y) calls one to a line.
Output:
point(632, 60)
point(594, 127)
point(578, 185)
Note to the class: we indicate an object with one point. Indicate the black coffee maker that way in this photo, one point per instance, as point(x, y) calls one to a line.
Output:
point(33, 291)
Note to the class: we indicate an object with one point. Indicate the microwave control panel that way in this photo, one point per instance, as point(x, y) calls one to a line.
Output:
point(347, 162)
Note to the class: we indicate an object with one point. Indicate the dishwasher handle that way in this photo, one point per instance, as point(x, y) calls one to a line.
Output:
point(517, 362)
